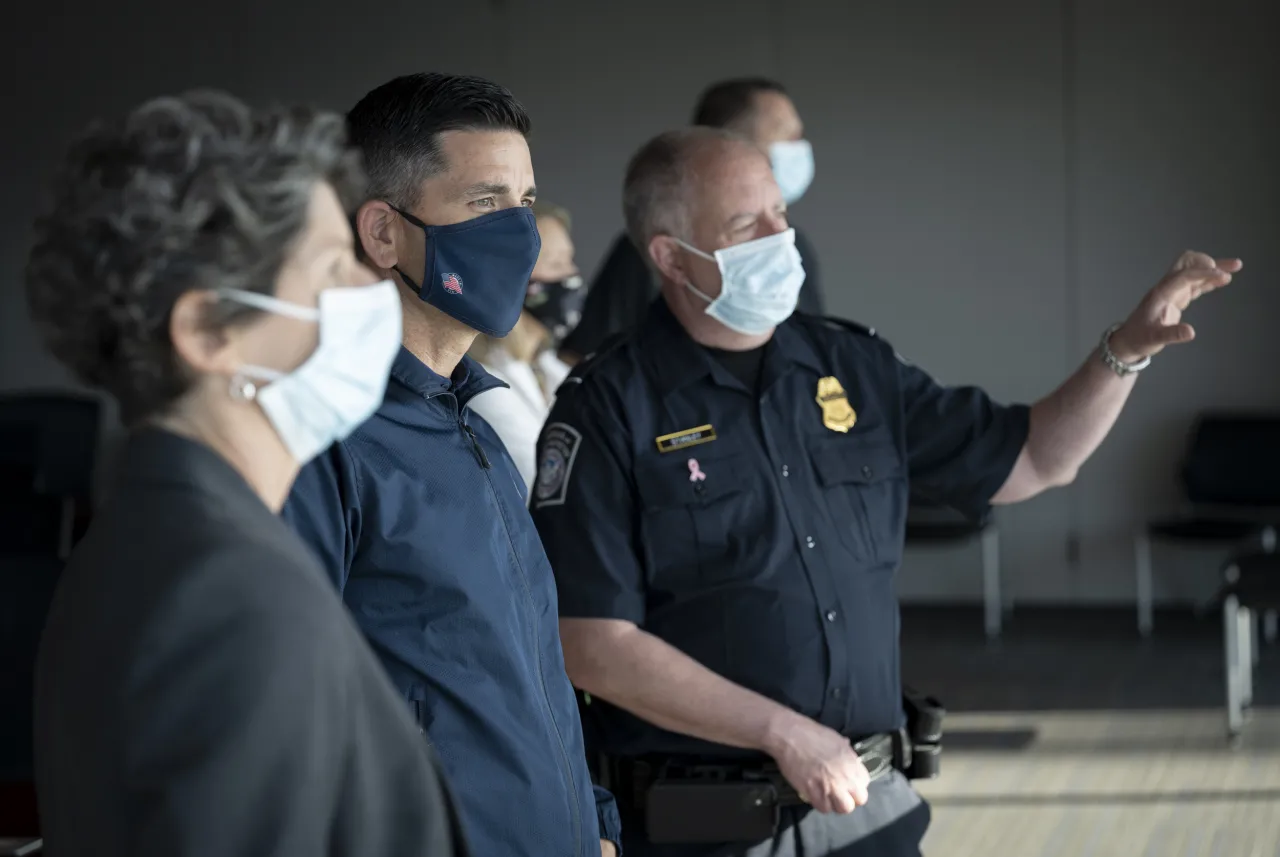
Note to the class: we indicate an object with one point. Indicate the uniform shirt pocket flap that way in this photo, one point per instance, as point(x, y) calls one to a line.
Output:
point(853, 461)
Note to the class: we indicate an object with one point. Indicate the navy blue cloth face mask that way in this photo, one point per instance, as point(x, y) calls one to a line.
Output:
point(477, 271)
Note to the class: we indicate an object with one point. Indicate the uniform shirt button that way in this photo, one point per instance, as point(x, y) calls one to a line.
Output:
point(836, 693)
point(831, 615)
point(808, 540)
point(785, 472)
point(866, 470)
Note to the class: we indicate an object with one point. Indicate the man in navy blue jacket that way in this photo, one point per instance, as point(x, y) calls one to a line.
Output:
point(420, 515)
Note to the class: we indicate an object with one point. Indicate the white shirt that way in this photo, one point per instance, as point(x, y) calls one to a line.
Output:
point(517, 413)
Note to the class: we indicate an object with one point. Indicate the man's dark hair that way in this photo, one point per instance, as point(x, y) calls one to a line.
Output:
point(397, 127)
point(196, 191)
point(730, 103)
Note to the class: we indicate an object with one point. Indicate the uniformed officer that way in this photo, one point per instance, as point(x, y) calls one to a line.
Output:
point(723, 495)
point(420, 515)
point(758, 108)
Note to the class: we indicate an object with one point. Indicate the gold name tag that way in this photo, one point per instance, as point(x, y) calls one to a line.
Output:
point(684, 439)
point(837, 413)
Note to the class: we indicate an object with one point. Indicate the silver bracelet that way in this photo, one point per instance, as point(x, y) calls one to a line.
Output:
point(1115, 364)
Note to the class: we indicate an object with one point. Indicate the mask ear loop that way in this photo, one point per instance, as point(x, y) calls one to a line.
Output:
point(419, 289)
point(697, 291)
point(710, 258)
point(245, 383)
point(267, 303)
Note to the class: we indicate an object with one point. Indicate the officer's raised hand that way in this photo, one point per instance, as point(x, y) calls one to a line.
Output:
point(1157, 321)
point(822, 767)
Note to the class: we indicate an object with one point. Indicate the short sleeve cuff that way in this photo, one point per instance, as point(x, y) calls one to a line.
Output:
point(625, 606)
point(1012, 424)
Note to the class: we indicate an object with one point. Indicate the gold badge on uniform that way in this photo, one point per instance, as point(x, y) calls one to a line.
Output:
point(837, 414)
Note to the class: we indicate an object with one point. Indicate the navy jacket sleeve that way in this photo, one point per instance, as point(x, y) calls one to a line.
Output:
point(324, 509)
point(585, 510)
point(961, 446)
point(607, 815)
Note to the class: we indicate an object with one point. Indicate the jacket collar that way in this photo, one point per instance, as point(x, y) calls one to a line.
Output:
point(469, 378)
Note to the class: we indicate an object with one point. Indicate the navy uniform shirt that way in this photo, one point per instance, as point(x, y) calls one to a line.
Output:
point(420, 518)
point(741, 528)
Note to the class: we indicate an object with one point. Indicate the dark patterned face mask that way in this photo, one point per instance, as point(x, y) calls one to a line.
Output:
point(557, 305)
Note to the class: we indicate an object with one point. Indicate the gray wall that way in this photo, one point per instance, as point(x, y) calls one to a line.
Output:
point(997, 181)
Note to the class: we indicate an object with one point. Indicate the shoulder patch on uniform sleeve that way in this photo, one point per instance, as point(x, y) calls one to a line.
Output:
point(556, 454)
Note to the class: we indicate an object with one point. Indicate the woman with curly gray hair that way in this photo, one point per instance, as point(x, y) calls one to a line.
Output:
point(200, 689)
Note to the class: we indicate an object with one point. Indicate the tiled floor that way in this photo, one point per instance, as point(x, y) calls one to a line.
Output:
point(1111, 746)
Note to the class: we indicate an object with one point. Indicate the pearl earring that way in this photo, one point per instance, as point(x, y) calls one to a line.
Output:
point(244, 389)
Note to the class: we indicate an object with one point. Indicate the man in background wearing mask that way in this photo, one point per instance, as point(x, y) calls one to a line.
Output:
point(758, 109)
point(723, 497)
point(419, 515)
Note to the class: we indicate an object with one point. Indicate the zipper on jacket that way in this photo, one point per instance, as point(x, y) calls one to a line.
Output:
point(575, 800)
point(481, 458)
point(475, 445)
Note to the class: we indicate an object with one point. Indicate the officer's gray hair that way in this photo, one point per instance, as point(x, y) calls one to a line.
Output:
point(656, 195)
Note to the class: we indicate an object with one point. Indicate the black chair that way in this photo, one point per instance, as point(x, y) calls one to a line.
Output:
point(27, 584)
point(48, 453)
point(1252, 584)
point(1230, 477)
point(933, 525)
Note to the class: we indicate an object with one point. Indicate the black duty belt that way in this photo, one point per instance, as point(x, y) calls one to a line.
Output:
point(686, 800)
point(698, 800)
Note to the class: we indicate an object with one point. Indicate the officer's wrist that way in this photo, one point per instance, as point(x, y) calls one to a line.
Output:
point(1117, 342)
point(779, 731)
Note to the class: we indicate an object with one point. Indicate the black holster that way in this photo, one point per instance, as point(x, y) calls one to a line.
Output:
point(918, 746)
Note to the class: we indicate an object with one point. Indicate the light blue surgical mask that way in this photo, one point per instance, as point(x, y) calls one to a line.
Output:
point(792, 162)
point(760, 282)
point(342, 383)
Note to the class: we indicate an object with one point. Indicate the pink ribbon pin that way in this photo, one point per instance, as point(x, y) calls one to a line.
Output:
point(695, 472)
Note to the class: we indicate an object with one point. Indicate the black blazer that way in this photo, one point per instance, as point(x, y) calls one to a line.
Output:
point(201, 690)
